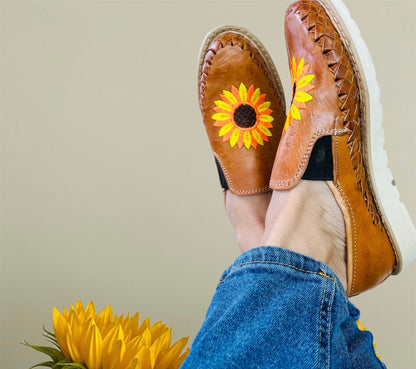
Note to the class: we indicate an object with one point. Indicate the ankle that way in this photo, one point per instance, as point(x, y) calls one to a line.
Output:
point(306, 219)
point(247, 215)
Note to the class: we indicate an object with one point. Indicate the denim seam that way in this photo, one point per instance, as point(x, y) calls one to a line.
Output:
point(320, 326)
point(322, 273)
point(328, 363)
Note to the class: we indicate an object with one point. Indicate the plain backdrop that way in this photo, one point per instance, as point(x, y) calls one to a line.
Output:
point(109, 191)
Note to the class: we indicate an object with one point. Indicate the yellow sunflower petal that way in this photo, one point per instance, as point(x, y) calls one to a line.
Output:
point(242, 90)
point(178, 362)
point(172, 354)
point(113, 348)
point(247, 139)
point(256, 96)
point(264, 130)
point(257, 137)
point(72, 347)
point(305, 80)
point(266, 118)
point(222, 105)
point(287, 122)
point(303, 96)
point(293, 68)
point(94, 344)
point(300, 68)
point(60, 328)
point(295, 112)
point(234, 137)
point(225, 129)
point(112, 358)
point(264, 106)
point(230, 97)
point(146, 339)
point(221, 116)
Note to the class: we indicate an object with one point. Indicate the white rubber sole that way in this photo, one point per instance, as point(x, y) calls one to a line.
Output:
point(393, 213)
point(213, 34)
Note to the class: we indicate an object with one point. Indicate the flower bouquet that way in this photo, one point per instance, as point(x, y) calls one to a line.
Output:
point(84, 339)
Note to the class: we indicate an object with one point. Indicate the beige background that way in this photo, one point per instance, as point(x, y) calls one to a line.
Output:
point(108, 188)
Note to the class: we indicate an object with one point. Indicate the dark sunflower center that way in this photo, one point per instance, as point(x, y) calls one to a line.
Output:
point(245, 116)
point(293, 92)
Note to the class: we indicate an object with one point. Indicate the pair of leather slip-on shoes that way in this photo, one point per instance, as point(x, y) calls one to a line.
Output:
point(332, 131)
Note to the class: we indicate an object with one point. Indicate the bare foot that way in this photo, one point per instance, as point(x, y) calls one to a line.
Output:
point(247, 215)
point(307, 219)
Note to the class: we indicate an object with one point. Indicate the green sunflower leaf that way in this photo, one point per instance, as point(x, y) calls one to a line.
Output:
point(49, 334)
point(48, 364)
point(53, 353)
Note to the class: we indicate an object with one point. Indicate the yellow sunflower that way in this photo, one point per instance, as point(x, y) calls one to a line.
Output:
point(243, 116)
point(301, 82)
point(87, 340)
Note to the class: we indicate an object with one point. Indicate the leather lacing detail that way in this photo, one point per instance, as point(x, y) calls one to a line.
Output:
point(324, 34)
point(235, 40)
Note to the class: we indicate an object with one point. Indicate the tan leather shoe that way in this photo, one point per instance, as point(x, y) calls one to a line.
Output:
point(243, 108)
point(333, 132)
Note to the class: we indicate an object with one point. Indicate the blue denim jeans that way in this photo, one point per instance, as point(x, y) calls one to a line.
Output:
point(275, 308)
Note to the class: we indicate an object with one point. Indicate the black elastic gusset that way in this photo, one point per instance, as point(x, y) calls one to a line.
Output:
point(320, 166)
point(224, 184)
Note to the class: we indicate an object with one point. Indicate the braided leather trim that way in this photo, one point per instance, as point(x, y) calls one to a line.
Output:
point(324, 34)
point(235, 40)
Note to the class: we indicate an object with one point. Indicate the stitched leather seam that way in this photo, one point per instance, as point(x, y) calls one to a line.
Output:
point(230, 183)
point(306, 156)
point(348, 204)
point(322, 274)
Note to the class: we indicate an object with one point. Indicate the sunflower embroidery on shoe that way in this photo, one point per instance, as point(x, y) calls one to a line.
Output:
point(243, 116)
point(301, 85)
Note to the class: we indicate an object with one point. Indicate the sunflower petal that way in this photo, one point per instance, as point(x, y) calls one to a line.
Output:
point(287, 122)
point(266, 118)
point(234, 137)
point(257, 137)
point(264, 106)
point(72, 347)
point(250, 92)
point(292, 68)
point(305, 80)
point(225, 129)
point(220, 123)
point(256, 96)
point(242, 90)
point(303, 96)
point(253, 142)
point(229, 96)
point(235, 92)
point(222, 105)
point(295, 112)
point(221, 116)
point(60, 328)
point(261, 99)
point(240, 141)
point(264, 130)
point(300, 68)
point(247, 139)
point(267, 112)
